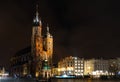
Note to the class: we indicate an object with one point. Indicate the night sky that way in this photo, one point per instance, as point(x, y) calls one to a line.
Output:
point(83, 28)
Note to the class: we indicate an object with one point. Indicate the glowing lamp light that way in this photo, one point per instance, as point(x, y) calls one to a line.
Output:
point(64, 76)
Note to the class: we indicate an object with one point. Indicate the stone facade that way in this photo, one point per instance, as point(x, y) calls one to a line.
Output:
point(71, 66)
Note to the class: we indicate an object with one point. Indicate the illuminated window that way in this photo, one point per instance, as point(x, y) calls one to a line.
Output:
point(81, 70)
point(75, 57)
point(81, 64)
point(75, 71)
point(78, 70)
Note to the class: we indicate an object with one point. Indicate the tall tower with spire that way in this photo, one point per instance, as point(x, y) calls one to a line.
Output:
point(42, 48)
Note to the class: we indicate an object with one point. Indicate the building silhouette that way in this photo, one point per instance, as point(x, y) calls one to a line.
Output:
point(21, 63)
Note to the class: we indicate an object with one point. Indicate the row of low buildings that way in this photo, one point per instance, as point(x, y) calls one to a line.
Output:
point(94, 67)
point(22, 64)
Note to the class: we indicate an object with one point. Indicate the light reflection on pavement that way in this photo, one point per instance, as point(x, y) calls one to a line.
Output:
point(10, 79)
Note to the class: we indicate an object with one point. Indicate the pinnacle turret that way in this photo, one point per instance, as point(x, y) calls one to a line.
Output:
point(47, 29)
point(36, 20)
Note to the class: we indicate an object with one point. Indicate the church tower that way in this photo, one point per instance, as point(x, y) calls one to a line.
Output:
point(48, 50)
point(42, 49)
point(49, 45)
point(36, 44)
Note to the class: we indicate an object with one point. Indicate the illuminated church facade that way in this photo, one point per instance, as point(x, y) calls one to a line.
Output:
point(41, 49)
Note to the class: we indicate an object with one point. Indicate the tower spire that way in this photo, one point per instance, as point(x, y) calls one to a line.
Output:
point(36, 20)
point(37, 14)
point(47, 28)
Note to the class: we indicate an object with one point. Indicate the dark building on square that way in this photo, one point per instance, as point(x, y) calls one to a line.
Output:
point(21, 62)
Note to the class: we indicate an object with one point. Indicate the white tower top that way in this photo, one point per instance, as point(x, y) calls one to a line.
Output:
point(36, 20)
